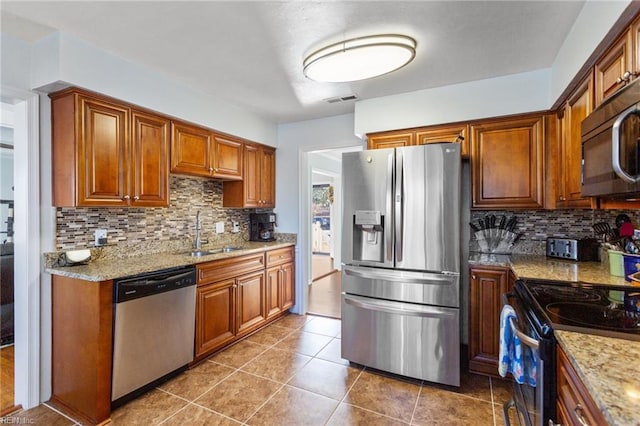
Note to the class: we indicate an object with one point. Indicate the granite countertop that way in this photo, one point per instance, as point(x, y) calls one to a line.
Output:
point(542, 267)
point(108, 269)
point(608, 367)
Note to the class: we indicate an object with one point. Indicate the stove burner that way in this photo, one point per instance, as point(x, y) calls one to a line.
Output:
point(607, 317)
point(567, 293)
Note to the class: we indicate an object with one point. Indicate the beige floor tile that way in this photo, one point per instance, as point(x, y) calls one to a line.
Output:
point(277, 364)
point(239, 395)
point(384, 395)
point(325, 326)
point(475, 386)
point(194, 415)
point(332, 352)
point(502, 390)
point(325, 378)
point(40, 415)
point(270, 335)
point(441, 407)
point(193, 383)
point(304, 343)
point(151, 408)
point(347, 414)
point(293, 321)
point(239, 354)
point(292, 406)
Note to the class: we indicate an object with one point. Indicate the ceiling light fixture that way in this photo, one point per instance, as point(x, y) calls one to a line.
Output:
point(360, 58)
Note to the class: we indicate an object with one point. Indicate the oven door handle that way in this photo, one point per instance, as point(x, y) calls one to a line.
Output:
point(532, 343)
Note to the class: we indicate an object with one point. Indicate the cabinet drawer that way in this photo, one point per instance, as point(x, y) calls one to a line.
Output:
point(279, 256)
point(226, 268)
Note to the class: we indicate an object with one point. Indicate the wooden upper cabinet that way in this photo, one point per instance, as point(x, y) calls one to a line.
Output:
point(450, 133)
point(611, 68)
point(507, 163)
point(394, 139)
point(105, 154)
point(578, 106)
point(257, 188)
point(150, 159)
point(227, 159)
point(191, 150)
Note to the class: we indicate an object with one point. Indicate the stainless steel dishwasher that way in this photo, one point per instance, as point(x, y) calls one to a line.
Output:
point(154, 328)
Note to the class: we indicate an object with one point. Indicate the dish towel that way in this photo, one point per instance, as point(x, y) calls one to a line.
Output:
point(515, 357)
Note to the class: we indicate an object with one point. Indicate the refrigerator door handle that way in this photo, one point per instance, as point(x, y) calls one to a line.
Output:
point(405, 309)
point(398, 202)
point(389, 208)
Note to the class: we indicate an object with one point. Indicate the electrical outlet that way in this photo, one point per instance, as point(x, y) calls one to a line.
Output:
point(100, 237)
point(219, 227)
point(235, 226)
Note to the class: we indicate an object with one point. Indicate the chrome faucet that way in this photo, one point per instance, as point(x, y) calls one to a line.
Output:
point(198, 241)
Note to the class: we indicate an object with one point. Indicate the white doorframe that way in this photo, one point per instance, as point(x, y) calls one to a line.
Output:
point(304, 219)
point(26, 178)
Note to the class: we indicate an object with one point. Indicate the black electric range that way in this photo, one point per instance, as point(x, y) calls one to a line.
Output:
point(605, 310)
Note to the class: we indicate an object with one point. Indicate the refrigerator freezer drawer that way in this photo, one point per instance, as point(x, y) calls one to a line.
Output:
point(426, 288)
point(416, 341)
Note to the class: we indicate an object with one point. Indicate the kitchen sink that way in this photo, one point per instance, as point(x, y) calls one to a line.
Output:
point(199, 253)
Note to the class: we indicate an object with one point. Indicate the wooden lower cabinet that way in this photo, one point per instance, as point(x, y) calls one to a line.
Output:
point(575, 405)
point(237, 296)
point(215, 315)
point(486, 286)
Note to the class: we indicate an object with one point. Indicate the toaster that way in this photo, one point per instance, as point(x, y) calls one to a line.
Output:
point(583, 249)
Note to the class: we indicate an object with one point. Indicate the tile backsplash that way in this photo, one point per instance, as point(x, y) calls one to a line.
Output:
point(129, 226)
point(536, 225)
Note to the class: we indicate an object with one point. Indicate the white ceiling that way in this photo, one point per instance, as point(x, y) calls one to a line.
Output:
point(250, 53)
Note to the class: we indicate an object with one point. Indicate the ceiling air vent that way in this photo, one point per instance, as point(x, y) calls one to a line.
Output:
point(342, 99)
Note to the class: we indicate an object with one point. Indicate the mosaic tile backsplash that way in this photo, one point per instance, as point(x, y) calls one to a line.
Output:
point(150, 226)
point(536, 225)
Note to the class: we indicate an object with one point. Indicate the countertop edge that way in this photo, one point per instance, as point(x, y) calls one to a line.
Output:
point(94, 271)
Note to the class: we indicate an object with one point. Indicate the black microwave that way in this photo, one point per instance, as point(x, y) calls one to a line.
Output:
point(611, 146)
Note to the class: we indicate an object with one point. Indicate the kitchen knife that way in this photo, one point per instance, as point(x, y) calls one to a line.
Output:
point(503, 220)
point(473, 227)
point(492, 221)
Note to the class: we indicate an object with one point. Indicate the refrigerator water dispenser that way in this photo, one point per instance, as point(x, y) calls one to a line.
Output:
point(368, 236)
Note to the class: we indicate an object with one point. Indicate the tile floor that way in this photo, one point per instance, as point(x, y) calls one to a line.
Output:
point(291, 373)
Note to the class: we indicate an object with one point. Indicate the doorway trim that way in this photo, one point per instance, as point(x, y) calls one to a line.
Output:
point(304, 218)
point(26, 244)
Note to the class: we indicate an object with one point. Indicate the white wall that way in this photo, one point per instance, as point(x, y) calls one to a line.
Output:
point(61, 57)
point(512, 94)
point(592, 24)
point(15, 62)
point(293, 181)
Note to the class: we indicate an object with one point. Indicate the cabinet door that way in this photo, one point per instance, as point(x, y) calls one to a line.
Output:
point(452, 133)
point(274, 296)
point(575, 404)
point(150, 160)
point(578, 106)
point(251, 176)
point(251, 302)
point(507, 164)
point(227, 158)
point(268, 178)
point(288, 281)
point(486, 288)
point(191, 150)
point(390, 140)
point(612, 67)
point(103, 152)
point(215, 315)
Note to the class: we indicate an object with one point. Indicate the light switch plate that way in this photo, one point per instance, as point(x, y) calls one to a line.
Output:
point(219, 227)
point(235, 226)
point(100, 236)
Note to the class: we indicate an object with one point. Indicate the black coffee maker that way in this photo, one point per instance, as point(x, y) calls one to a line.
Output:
point(262, 227)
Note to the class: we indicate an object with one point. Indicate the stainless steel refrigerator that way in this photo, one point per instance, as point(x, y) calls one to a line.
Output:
point(401, 256)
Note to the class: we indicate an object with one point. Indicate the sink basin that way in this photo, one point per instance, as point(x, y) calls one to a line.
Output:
point(198, 253)
point(229, 249)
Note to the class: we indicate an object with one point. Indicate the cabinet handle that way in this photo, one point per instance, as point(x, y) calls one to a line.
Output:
point(234, 286)
point(215, 169)
point(473, 277)
point(210, 169)
point(551, 423)
point(626, 77)
point(126, 197)
point(578, 411)
point(136, 198)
